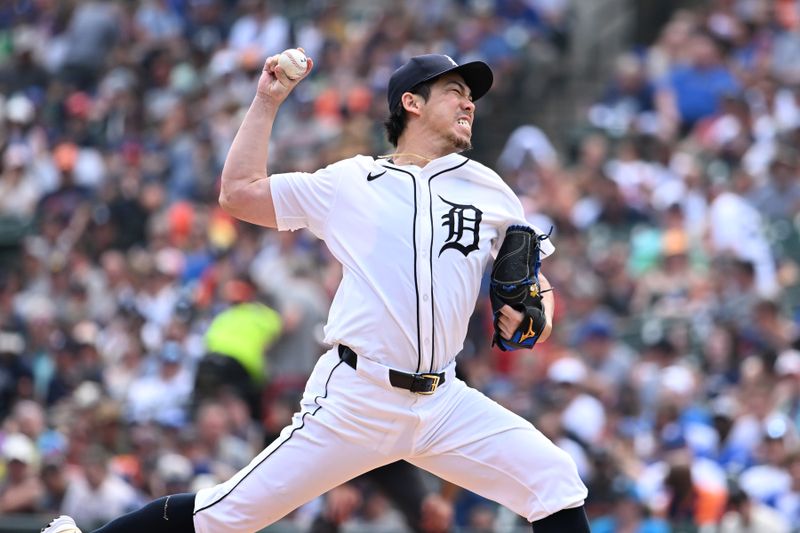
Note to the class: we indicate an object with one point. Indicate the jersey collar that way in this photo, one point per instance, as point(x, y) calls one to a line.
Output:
point(434, 166)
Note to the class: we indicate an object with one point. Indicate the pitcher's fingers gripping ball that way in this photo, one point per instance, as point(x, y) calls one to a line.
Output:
point(293, 62)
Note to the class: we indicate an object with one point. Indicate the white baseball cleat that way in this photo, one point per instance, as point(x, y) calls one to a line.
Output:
point(62, 524)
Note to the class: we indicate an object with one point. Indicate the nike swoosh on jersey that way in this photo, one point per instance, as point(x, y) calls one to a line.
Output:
point(370, 177)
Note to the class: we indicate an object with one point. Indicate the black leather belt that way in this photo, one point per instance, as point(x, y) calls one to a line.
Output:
point(419, 383)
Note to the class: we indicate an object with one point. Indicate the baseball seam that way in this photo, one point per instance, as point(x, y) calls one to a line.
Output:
point(290, 55)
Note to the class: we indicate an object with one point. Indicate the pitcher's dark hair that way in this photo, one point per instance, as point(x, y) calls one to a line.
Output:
point(396, 123)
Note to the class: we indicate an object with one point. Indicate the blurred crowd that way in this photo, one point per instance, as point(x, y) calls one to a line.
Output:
point(672, 376)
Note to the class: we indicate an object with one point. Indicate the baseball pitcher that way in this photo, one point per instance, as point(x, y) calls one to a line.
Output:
point(414, 232)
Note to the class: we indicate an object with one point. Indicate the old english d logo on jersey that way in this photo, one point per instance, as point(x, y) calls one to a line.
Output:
point(463, 223)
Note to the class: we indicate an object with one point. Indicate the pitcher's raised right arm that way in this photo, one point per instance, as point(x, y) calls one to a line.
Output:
point(245, 192)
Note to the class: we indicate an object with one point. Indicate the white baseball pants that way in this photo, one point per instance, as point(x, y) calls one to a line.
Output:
point(352, 421)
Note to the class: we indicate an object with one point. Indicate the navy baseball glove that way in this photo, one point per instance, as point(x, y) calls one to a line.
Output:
point(515, 282)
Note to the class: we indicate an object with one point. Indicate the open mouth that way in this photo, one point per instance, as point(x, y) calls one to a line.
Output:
point(465, 123)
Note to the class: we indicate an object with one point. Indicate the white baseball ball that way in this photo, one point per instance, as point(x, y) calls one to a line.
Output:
point(293, 63)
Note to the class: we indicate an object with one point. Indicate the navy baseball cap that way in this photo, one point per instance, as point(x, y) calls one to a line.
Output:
point(477, 75)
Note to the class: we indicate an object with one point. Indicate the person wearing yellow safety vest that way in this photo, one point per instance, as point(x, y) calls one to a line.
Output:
point(236, 344)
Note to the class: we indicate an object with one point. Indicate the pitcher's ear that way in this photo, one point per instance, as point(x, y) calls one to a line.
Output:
point(411, 102)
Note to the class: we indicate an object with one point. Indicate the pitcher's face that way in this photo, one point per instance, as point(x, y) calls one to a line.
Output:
point(449, 111)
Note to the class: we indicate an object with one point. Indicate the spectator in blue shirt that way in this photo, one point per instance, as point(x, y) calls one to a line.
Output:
point(697, 88)
point(628, 514)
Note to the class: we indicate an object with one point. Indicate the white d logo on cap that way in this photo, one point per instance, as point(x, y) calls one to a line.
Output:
point(450, 59)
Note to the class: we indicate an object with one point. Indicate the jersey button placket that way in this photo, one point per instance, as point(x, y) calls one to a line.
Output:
point(425, 263)
point(424, 270)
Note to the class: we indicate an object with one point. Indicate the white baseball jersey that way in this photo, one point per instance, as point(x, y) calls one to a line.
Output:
point(414, 243)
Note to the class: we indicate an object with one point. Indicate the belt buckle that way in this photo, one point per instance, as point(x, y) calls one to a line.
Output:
point(434, 383)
